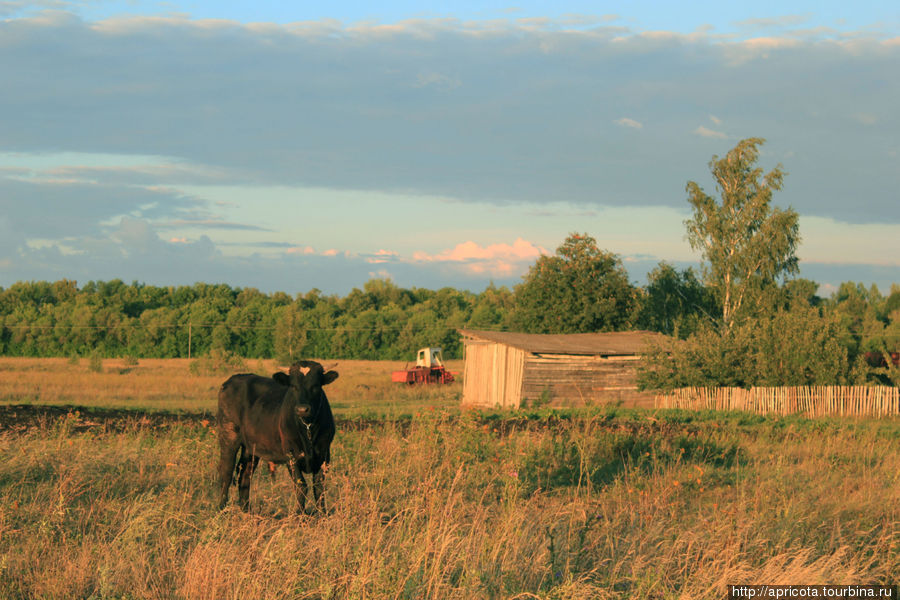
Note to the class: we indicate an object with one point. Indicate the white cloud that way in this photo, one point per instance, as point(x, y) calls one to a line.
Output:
point(703, 131)
point(626, 122)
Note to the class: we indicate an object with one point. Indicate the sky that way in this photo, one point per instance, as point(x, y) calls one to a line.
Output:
point(290, 146)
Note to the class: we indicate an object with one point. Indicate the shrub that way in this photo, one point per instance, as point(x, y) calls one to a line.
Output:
point(95, 362)
point(217, 362)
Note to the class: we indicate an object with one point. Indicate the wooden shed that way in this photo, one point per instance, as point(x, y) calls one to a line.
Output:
point(508, 370)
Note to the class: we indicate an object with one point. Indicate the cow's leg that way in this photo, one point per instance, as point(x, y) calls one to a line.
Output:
point(245, 472)
point(228, 449)
point(319, 488)
point(300, 488)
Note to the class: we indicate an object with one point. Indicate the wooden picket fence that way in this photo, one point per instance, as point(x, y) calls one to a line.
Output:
point(812, 401)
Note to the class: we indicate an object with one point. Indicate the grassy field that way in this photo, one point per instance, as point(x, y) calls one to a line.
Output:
point(427, 501)
point(364, 387)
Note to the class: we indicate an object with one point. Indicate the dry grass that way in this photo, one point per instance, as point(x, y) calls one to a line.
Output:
point(364, 387)
point(646, 504)
point(447, 509)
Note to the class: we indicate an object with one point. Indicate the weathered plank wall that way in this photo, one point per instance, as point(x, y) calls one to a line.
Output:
point(493, 376)
point(875, 401)
point(582, 380)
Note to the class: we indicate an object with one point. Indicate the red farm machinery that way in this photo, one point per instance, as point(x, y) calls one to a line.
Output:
point(429, 369)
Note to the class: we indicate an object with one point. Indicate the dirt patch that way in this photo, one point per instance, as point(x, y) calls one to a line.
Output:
point(21, 418)
point(24, 417)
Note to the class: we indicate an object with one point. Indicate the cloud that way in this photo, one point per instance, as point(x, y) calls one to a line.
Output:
point(383, 256)
point(171, 172)
point(435, 80)
point(774, 22)
point(626, 122)
point(709, 133)
point(301, 250)
point(129, 114)
point(134, 250)
point(835, 242)
point(494, 259)
point(210, 224)
point(518, 250)
point(450, 97)
point(57, 209)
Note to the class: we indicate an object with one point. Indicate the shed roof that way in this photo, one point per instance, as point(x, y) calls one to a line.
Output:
point(616, 343)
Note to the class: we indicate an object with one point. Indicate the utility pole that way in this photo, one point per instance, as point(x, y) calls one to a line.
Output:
point(190, 335)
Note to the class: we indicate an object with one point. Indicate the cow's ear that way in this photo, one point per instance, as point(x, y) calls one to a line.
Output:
point(282, 378)
point(329, 377)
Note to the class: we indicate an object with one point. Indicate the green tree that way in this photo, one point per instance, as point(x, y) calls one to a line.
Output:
point(580, 289)
point(710, 357)
point(674, 302)
point(892, 303)
point(491, 308)
point(800, 290)
point(747, 243)
point(798, 346)
point(290, 333)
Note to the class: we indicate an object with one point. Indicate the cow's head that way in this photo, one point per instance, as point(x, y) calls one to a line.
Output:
point(296, 394)
point(316, 376)
point(305, 380)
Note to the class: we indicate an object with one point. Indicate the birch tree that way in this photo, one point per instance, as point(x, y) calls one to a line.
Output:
point(746, 242)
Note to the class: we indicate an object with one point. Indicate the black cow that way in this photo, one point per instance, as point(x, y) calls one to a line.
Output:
point(285, 419)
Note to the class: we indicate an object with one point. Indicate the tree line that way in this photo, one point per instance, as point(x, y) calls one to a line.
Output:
point(800, 339)
point(380, 321)
point(744, 319)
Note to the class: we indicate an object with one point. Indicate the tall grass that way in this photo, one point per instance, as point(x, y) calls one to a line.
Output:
point(641, 505)
point(364, 387)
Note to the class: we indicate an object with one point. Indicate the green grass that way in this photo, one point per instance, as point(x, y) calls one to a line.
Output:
point(449, 504)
